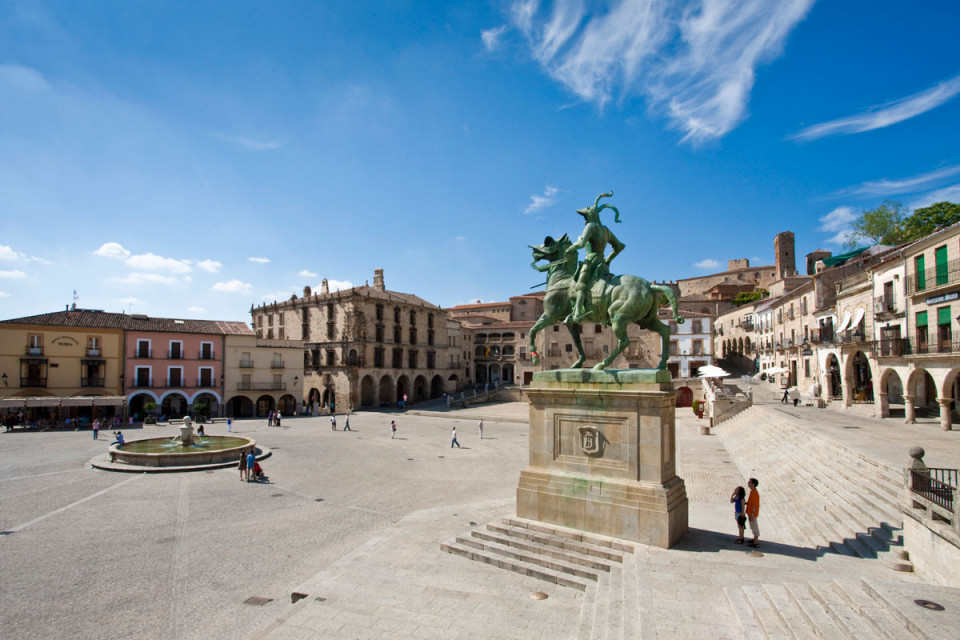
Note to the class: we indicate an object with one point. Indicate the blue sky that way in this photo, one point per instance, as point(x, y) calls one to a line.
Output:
point(194, 158)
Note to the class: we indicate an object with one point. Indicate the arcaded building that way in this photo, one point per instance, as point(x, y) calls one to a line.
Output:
point(366, 346)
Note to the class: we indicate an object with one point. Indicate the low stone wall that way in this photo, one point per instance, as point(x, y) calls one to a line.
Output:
point(724, 408)
point(933, 546)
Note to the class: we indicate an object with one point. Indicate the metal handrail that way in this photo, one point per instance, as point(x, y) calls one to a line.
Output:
point(936, 485)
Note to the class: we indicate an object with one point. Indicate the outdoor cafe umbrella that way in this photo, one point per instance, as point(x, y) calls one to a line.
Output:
point(712, 371)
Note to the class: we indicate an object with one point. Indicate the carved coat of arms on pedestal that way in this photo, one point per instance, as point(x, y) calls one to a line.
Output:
point(590, 441)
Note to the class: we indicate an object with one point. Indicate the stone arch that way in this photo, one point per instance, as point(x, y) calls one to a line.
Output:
point(480, 351)
point(419, 388)
point(481, 373)
point(137, 399)
point(386, 392)
point(923, 388)
point(453, 383)
point(436, 387)
point(367, 397)
point(240, 407)
point(746, 344)
point(949, 387)
point(314, 396)
point(508, 373)
point(403, 388)
point(352, 358)
point(210, 398)
point(287, 404)
point(329, 397)
point(859, 378)
point(495, 372)
point(265, 405)
point(834, 386)
point(891, 394)
point(740, 347)
point(684, 397)
point(173, 404)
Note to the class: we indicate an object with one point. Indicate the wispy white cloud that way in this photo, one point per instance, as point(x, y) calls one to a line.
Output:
point(491, 37)
point(4, 294)
point(838, 222)
point(459, 238)
point(15, 274)
point(112, 250)
point(249, 143)
point(7, 253)
point(144, 278)
point(884, 115)
point(143, 261)
point(838, 219)
point(196, 310)
point(537, 203)
point(259, 260)
point(307, 274)
point(23, 79)
point(209, 265)
point(707, 263)
point(150, 261)
point(885, 187)
point(233, 286)
point(695, 60)
point(950, 194)
point(339, 285)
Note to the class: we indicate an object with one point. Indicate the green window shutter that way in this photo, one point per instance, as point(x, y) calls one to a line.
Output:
point(943, 315)
point(941, 258)
point(921, 318)
point(921, 274)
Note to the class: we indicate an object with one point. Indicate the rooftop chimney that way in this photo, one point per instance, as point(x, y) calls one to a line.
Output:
point(324, 286)
point(378, 280)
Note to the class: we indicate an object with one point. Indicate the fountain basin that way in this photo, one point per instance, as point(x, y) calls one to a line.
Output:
point(163, 452)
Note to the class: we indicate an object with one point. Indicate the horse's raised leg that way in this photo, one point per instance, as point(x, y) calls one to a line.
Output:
point(543, 321)
point(574, 329)
point(620, 330)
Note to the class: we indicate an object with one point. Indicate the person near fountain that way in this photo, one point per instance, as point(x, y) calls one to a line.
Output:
point(393, 429)
point(200, 431)
point(119, 439)
point(243, 466)
point(229, 424)
point(96, 429)
point(251, 461)
point(258, 473)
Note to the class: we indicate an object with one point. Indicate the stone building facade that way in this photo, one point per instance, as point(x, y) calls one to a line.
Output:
point(262, 375)
point(366, 346)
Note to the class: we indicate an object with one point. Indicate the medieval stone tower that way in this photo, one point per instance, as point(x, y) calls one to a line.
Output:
point(784, 251)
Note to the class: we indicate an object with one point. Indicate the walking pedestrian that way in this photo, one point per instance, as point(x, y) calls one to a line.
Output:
point(753, 512)
point(333, 422)
point(393, 429)
point(786, 394)
point(795, 395)
point(276, 419)
point(346, 424)
point(481, 428)
point(737, 498)
point(454, 441)
point(229, 425)
point(243, 466)
point(96, 429)
point(251, 461)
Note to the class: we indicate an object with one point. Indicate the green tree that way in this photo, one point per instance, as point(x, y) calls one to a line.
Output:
point(882, 225)
point(925, 221)
point(745, 297)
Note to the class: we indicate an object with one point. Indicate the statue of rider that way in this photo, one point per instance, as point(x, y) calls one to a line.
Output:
point(594, 239)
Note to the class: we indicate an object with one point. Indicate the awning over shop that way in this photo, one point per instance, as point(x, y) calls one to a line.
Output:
point(844, 323)
point(54, 401)
point(857, 317)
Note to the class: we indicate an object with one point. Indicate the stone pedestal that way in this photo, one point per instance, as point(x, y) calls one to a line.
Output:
point(603, 455)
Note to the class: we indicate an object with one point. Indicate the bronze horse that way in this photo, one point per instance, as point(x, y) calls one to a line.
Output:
point(616, 301)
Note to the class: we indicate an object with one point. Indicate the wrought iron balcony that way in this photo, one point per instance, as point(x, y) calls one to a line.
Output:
point(92, 382)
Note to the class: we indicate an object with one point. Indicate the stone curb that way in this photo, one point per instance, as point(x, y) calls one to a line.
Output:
point(103, 463)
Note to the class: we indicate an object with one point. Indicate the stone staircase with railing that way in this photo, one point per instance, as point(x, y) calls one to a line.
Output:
point(826, 495)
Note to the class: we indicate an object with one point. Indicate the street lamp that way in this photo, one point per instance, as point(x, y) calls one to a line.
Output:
point(296, 379)
point(4, 378)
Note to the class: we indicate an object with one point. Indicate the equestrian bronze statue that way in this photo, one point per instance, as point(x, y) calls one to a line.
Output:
point(585, 291)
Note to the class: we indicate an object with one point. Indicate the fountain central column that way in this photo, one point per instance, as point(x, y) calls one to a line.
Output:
point(186, 432)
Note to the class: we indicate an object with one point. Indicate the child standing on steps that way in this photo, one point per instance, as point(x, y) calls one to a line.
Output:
point(738, 497)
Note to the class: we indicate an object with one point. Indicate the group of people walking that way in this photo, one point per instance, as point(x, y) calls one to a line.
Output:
point(250, 469)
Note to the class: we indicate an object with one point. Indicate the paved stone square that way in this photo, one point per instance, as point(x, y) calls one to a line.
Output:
point(90, 553)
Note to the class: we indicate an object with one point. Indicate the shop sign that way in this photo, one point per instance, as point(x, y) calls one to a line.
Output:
point(943, 297)
point(65, 341)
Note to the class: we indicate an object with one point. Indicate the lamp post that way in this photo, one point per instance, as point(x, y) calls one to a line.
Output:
point(4, 378)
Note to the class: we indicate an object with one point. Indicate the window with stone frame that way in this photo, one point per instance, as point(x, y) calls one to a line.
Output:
point(378, 357)
point(412, 358)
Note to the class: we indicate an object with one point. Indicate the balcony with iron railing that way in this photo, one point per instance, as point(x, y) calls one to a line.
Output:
point(945, 275)
point(93, 381)
point(93, 352)
point(276, 364)
point(246, 364)
point(900, 347)
point(34, 351)
point(142, 355)
point(205, 356)
point(33, 381)
point(852, 281)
